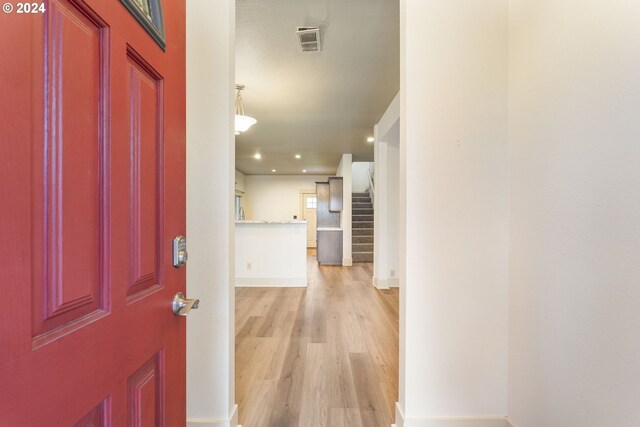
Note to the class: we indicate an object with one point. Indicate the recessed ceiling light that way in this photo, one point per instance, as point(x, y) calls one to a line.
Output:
point(304, 171)
point(273, 170)
point(298, 156)
point(257, 156)
point(370, 139)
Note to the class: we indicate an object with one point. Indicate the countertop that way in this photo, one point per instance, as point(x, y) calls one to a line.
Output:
point(285, 221)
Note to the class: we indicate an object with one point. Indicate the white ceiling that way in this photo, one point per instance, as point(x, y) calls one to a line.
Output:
point(317, 104)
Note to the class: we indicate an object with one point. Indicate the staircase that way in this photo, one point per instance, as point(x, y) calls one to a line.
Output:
point(361, 227)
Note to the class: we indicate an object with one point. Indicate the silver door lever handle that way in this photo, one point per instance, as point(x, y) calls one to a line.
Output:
point(182, 306)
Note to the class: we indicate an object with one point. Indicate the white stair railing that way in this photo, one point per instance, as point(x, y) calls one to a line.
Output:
point(371, 184)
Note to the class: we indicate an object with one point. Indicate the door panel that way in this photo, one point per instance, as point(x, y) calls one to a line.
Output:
point(145, 105)
point(68, 256)
point(92, 130)
point(146, 397)
point(97, 417)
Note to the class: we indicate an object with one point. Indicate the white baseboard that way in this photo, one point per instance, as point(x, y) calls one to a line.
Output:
point(231, 422)
point(391, 282)
point(399, 416)
point(347, 262)
point(271, 282)
point(457, 422)
point(496, 421)
point(233, 419)
point(380, 283)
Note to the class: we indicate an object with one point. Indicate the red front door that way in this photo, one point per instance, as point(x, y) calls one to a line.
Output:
point(92, 192)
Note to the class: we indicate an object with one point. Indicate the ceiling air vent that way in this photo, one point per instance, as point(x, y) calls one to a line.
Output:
point(308, 39)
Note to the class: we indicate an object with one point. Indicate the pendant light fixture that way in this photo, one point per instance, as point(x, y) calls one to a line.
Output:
point(242, 122)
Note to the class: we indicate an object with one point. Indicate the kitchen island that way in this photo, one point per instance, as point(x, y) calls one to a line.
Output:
point(271, 253)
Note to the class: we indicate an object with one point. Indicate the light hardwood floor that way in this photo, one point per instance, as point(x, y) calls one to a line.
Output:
point(326, 355)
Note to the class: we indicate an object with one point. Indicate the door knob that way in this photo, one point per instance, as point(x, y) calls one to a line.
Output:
point(182, 306)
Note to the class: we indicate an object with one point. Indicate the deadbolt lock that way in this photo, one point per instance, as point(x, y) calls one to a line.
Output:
point(179, 251)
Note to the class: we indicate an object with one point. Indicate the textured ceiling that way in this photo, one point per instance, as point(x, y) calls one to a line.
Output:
point(317, 104)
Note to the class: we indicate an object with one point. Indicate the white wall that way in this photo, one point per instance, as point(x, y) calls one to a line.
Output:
point(453, 161)
point(387, 198)
point(276, 197)
point(344, 170)
point(210, 192)
point(575, 213)
point(393, 200)
point(360, 176)
point(380, 207)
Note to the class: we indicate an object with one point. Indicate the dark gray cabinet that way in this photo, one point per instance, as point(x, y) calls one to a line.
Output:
point(329, 247)
point(335, 193)
point(329, 244)
point(325, 218)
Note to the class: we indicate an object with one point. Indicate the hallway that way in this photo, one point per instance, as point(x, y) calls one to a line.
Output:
point(326, 355)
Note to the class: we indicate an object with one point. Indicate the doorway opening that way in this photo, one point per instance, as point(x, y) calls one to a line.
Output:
point(308, 212)
point(325, 353)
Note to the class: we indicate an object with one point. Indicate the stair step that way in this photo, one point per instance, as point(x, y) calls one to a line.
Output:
point(361, 239)
point(362, 227)
point(362, 224)
point(362, 247)
point(361, 200)
point(362, 231)
point(362, 256)
point(362, 211)
point(362, 206)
